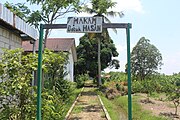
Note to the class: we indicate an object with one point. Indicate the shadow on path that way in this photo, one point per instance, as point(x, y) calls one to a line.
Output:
point(88, 106)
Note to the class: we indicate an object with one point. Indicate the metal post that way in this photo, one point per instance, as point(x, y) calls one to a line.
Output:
point(33, 72)
point(39, 73)
point(129, 73)
point(99, 62)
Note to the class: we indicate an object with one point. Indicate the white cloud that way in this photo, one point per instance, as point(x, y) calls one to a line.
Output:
point(122, 5)
point(128, 5)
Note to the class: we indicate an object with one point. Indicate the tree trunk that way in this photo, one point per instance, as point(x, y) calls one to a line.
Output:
point(99, 62)
point(45, 37)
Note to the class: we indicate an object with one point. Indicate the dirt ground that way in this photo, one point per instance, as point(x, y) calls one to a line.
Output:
point(158, 107)
point(88, 107)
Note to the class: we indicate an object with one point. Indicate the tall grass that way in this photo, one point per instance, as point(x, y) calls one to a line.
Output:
point(70, 101)
point(137, 112)
point(118, 108)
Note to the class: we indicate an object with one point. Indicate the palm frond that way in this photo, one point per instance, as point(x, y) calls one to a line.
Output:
point(106, 19)
point(121, 14)
point(114, 14)
point(88, 10)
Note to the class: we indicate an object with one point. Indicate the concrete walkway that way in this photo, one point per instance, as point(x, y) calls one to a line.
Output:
point(88, 106)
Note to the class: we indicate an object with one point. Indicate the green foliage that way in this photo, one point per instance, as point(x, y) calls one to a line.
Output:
point(19, 9)
point(145, 59)
point(87, 53)
point(54, 65)
point(118, 107)
point(138, 87)
point(16, 94)
point(173, 92)
point(137, 111)
point(80, 80)
point(52, 107)
point(118, 87)
point(118, 76)
point(160, 84)
point(101, 8)
point(49, 12)
point(113, 110)
point(18, 97)
point(147, 86)
point(155, 83)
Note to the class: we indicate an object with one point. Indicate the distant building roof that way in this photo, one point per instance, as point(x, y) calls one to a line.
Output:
point(55, 44)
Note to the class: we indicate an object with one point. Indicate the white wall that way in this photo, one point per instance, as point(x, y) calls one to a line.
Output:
point(70, 67)
point(8, 40)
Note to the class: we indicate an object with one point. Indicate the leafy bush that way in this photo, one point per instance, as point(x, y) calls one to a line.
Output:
point(118, 76)
point(63, 88)
point(103, 80)
point(137, 86)
point(173, 92)
point(18, 97)
point(52, 105)
point(119, 87)
point(80, 80)
point(16, 93)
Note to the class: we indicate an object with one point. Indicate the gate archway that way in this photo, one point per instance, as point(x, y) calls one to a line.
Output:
point(126, 26)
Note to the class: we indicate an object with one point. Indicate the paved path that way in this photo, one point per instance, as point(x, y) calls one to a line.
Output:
point(88, 106)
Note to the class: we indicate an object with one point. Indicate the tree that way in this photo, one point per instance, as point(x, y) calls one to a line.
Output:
point(100, 8)
point(145, 59)
point(172, 90)
point(174, 96)
point(19, 9)
point(50, 11)
point(87, 54)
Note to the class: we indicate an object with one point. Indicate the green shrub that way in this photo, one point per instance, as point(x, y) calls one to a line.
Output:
point(137, 86)
point(80, 80)
point(16, 93)
point(52, 105)
point(18, 97)
point(118, 87)
point(103, 80)
point(118, 76)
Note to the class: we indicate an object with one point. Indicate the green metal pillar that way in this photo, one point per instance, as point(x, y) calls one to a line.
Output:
point(39, 73)
point(129, 73)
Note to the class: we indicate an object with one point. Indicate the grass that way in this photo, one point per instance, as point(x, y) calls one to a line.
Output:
point(138, 113)
point(77, 109)
point(120, 106)
point(103, 115)
point(111, 108)
point(69, 103)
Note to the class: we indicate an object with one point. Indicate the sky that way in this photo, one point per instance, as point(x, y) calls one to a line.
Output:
point(156, 20)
